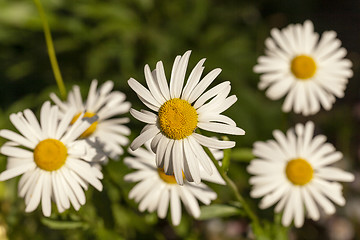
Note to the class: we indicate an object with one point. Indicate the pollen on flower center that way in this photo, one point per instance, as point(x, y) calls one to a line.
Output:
point(50, 154)
point(92, 127)
point(177, 118)
point(299, 171)
point(303, 67)
point(167, 178)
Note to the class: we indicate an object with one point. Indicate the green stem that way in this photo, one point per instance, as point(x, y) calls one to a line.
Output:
point(233, 187)
point(51, 50)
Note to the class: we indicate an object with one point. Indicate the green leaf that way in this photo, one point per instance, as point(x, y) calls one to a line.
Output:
point(219, 210)
point(59, 224)
point(242, 154)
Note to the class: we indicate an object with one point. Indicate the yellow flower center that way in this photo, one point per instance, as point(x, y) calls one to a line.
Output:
point(50, 154)
point(177, 118)
point(303, 67)
point(299, 171)
point(167, 178)
point(92, 127)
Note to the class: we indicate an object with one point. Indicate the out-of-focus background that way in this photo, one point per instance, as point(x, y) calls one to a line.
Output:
point(114, 40)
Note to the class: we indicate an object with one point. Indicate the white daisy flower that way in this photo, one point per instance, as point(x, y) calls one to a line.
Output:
point(310, 71)
point(179, 111)
point(110, 132)
point(52, 163)
point(293, 171)
point(156, 190)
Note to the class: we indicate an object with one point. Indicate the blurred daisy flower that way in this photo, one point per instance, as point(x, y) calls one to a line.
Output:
point(179, 110)
point(53, 164)
point(109, 132)
point(308, 70)
point(293, 171)
point(156, 189)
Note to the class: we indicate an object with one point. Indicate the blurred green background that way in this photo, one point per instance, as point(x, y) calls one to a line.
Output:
point(113, 40)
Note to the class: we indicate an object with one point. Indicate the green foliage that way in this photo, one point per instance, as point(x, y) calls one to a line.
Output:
point(219, 211)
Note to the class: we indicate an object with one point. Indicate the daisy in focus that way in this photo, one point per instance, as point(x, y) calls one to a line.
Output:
point(156, 190)
point(108, 131)
point(179, 110)
point(293, 171)
point(53, 164)
point(309, 71)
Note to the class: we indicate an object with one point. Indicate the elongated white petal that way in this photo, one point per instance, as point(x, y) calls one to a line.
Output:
point(35, 195)
point(221, 128)
point(212, 142)
point(154, 90)
point(16, 171)
point(15, 137)
point(175, 206)
point(142, 91)
point(161, 78)
point(144, 117)
point(143, 137)
point(163, 203)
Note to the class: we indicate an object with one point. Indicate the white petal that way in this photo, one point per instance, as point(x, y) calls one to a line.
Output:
point(203, 84)
point(46, 195)
point(326, 205)
point(160, 151)
point(80, 195)
point(299, 208)
point(141, 189)
point(163, 85)
point(145, 136)
point(13, 172)
point(213, 142)
point(15, 137)
point(163, 203)
point(69, 192)
point(334, 174)
point(155, 142)
point(175, 206)
point(193, 79)
point(65, 122)
point(216, 118)
point(179, 76)
point(221, 128)
point(16, 152)
point(64, 199)
point(289, 210)
point(191, 162)
point(173, 76)
point(143, 92)
point(144, 117)
point(85, 173)
point(190, 202)
point(36, 195)
point(199, 152)
point(210, 93)
point(178, 158)
point(310, 205)
point(154, 90)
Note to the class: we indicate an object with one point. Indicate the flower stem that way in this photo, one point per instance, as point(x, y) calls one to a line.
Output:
point(233, 187)
point(51, 50)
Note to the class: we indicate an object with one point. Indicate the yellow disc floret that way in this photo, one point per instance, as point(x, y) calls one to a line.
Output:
point(177, 118)
point(50, 154)
point(167, 178)
point(92, 127)
point(299, 171)
point(303, 67)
